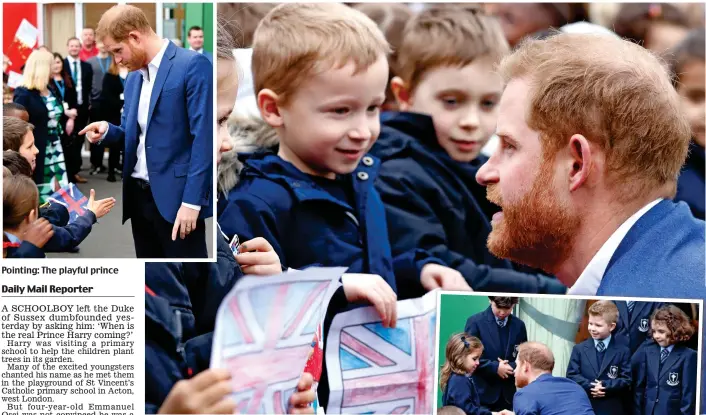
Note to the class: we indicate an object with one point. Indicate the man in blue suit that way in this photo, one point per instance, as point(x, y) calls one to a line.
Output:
point(167, 126)
point(590, 150)
point(195, 38)
point(501, 334)
point(541, 393)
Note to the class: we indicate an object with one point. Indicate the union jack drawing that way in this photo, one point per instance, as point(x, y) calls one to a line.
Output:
point(382, 370)
point(72, 199)
point(267, 330)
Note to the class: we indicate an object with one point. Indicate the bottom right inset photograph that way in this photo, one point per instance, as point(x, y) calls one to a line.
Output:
point(529, 354)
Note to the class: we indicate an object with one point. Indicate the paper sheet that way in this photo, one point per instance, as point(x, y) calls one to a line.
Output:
point(372, 369)
point(14, 79)
point(27, 34)
point(268, 330)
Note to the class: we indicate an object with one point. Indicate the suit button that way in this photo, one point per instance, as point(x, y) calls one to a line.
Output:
point(368, 161)
point(363, 175)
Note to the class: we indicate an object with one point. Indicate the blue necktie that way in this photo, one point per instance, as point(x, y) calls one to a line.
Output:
point(75, 73)
point(663, 356)
point(501, 323)
point(600, 346)
point(631, 306)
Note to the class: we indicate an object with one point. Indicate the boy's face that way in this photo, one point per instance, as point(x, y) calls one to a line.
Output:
point(692, 93)
point(227, 92)
point(599, 327)
point(462, 102)
point(661, 334)
point(472, 361)
point(332, 120)
point(29, 150)
point(500, 312)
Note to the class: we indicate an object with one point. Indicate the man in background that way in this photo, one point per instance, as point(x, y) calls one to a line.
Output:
point(82, 76)
point(195, 38)
point(89, 49)
point(100, 64)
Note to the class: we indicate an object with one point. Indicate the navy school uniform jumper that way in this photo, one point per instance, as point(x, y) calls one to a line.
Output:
point(461, 392)
point(611, 367)
point(309, 221)
point(667, 388)
point(497, 343)
point(434, 203)
point(634, 327)
point(181, 302)
point(55, 213)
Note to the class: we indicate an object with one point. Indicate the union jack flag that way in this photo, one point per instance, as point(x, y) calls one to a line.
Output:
point(267, 331)
point(382, 370)
point(72, 198)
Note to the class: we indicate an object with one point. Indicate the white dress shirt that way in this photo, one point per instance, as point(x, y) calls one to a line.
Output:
point(149, 75)
point(79, 87)
point(196, 50)
point(591, 277)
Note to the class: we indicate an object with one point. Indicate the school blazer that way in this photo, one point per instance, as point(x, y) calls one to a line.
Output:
point(490, 385)
point(634, 329)
point(461, 392)
point(669, 390)
point(614, 374)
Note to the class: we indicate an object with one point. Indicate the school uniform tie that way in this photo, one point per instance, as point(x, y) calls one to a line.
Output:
point(501, 323)
point(600, 346)
point(663, 356)
point(631, 306)
point(75, 73)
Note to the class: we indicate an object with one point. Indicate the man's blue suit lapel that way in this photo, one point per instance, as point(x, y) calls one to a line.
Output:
point(131, 129)
point(164, 67)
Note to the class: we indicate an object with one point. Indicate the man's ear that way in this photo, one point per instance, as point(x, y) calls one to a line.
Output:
point(267, 102)
point(581, 159)
point(401, 92)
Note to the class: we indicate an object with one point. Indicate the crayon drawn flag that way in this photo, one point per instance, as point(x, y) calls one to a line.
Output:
point(268, 331)
point(71, 198)
point(373, 369)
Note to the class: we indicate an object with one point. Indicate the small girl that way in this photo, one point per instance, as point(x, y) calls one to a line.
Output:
point(23, 235)
point(665, 371)
point(462, 358)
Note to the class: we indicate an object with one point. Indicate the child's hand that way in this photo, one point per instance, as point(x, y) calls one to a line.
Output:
point(598, 390)
point(504, 369)
point(39, 232)
point(257, 257)
point(205, 393)
point(438, 276)
point(373, 289)
point(100, 207)
point(301, 400)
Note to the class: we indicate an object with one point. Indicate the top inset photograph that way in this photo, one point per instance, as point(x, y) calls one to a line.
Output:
point(108, 130)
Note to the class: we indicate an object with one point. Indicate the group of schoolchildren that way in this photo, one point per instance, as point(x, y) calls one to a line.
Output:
point(635, 362)
point(322, 178)
point(30, 229)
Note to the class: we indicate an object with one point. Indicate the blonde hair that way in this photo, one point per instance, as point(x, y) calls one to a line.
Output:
point(605, 309)
point(120, 20)
point(626, 106)
point(458, 347)
point(447, 36)
point(297, 40)
point(37, 70)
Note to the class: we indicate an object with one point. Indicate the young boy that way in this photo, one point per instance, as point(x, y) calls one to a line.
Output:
point(11, 109)
point(320, 72)
point(501, 334)
point(601, 365)
point(431, 152)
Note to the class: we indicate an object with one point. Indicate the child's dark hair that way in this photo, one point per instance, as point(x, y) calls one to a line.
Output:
point(690, 49)
point(13, 132)
point(9, 107)
point(504, 302)
point(16, 163)
point(19, 197)
point(676, 321)
point(633, 20)
point(458, 347)
point(243, 19)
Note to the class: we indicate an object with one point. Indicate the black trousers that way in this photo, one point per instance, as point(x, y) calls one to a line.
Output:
point(72, 150)
point(153, 234)
point(499, 405)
